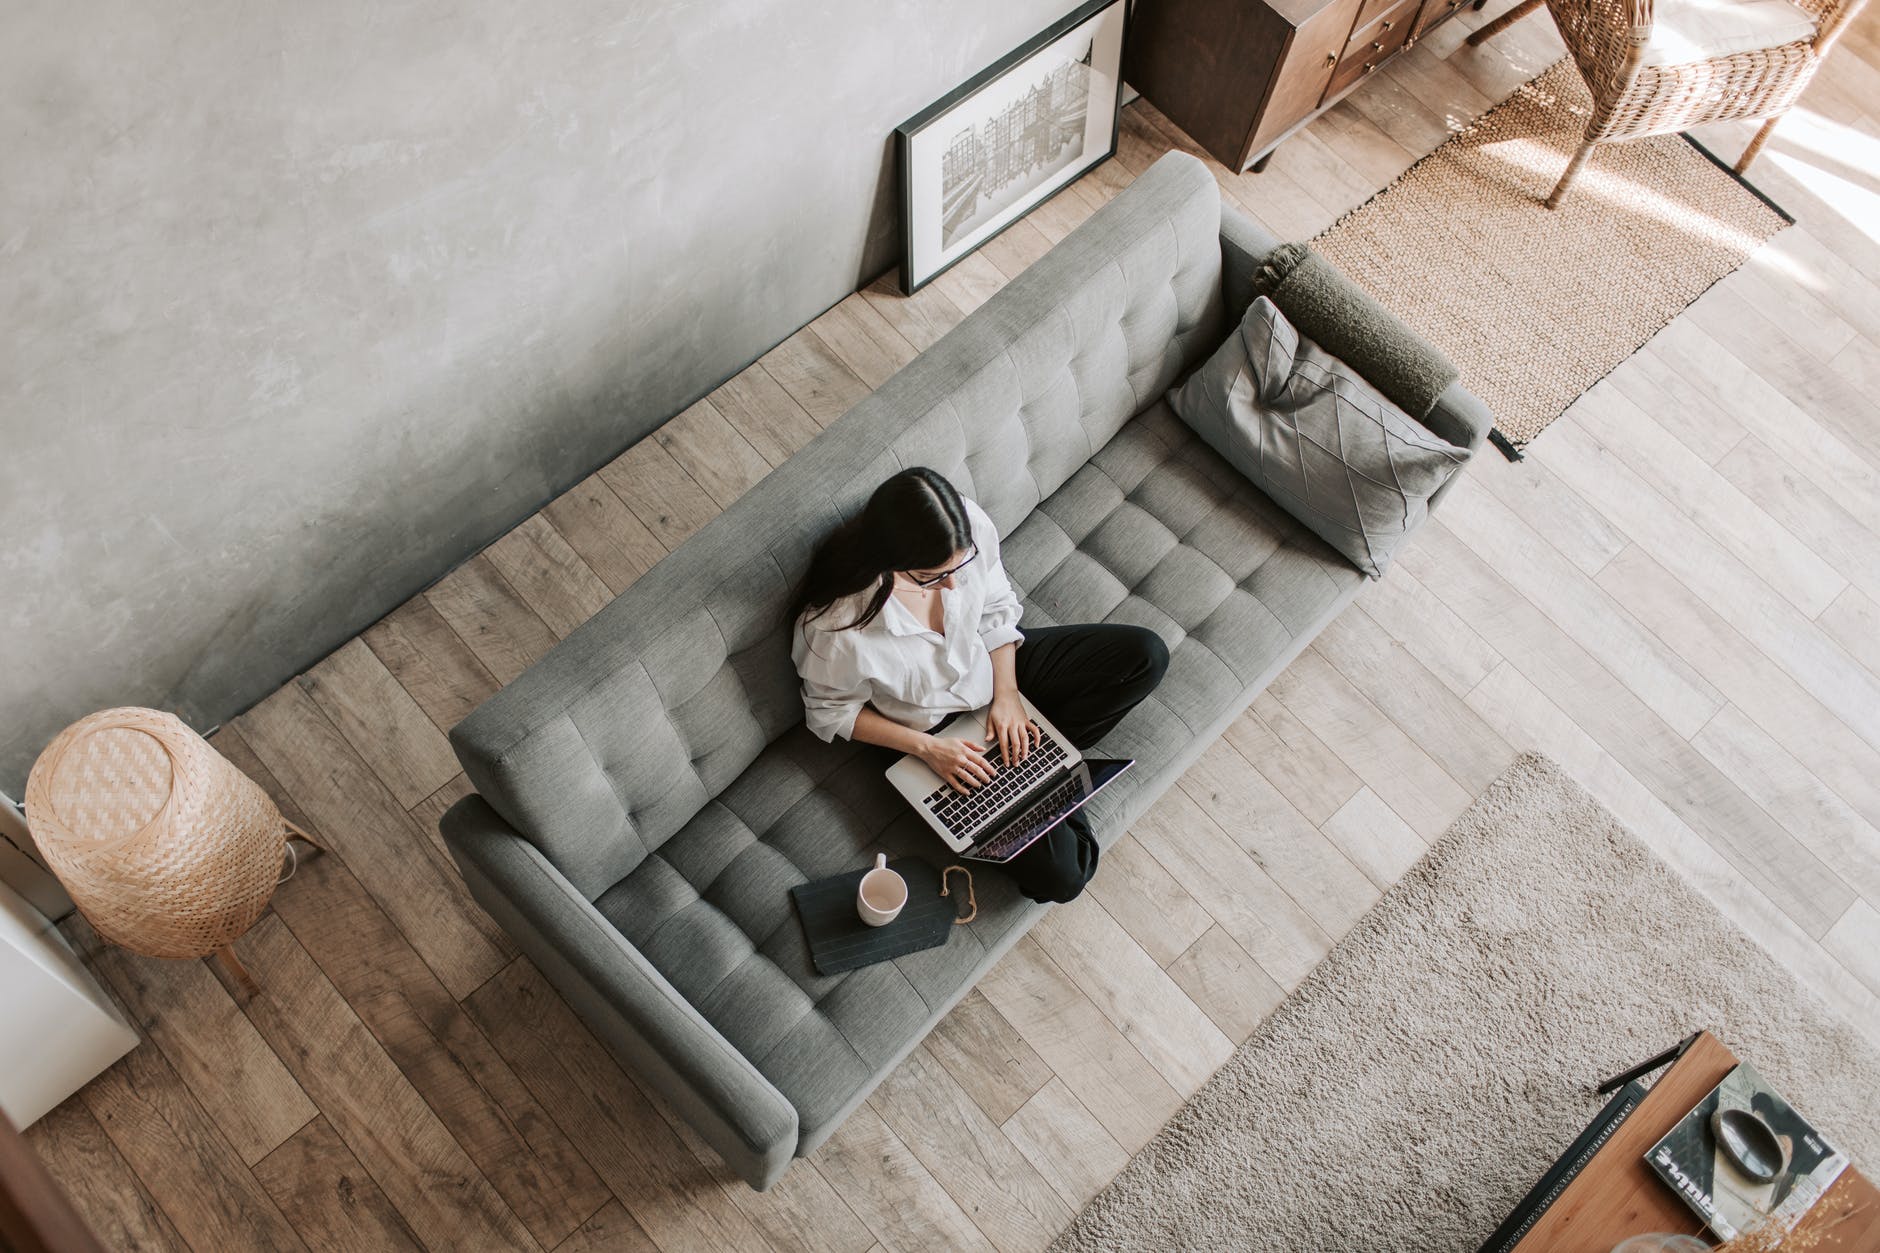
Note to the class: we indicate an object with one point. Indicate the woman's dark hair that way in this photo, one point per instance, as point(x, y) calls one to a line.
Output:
point(914, 521)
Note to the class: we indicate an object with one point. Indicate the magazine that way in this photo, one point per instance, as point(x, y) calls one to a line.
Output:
point(1689, 1159)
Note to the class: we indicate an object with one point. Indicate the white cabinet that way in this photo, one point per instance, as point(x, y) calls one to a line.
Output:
point(57, 1027)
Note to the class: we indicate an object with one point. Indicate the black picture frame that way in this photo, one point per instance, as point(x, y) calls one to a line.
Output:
point(1093, 13)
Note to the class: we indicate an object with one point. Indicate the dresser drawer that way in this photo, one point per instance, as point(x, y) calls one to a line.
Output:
point(1387, 26)
point(1435, 11)
point(1371, 46)
point(1371, 10)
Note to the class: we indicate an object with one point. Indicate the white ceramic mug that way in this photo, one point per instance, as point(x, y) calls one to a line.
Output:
point(881, 894)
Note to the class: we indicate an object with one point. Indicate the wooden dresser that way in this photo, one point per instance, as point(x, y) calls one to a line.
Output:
point(1242, 75)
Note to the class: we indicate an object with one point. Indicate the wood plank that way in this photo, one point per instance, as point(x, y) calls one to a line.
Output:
point(431, 662)
point(800, 1213)
point(1377, 749)
point(1701, 795)
point(1307, 773)
point(328, 1196)
point(360, 821)
point(1763, 409)
point(444, 1056)
point(659, 492)
point(497, 625)
point(1017, 248)
point(1677, 405)
point(1665, 681)
point(1416, 618)
point(863, 340)
point(545, 571)
point(711, 450)
point(1082, 1047)
point(970, 283)
point(1233, 885)
point(1853, 621)
point(765, 414)
point(625, 1140)
point(987, 1056)
point(609, 1230)
point(1725, 513)
point(597, 524)
point(101, 1185)
point(1134, 992)
point(1144, 898)
point(899, 1199)
point(382, 722)
point(1751, 681)
point(1066, 1143)
point(1006, 1198)
point(1228, 985)
point(1376, 840)
point(1855, 941)
point(1434, 717)
point(369, 1102)
point(805, 367)
point(1701, 564)
point(1851, 546)
point(1301, 860)
point(182, 1160)
point(921, 319)
point(180, 1008)
point(1535, 494)
point(1844, 841)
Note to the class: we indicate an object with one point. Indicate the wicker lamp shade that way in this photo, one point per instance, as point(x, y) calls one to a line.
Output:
point(165, 847)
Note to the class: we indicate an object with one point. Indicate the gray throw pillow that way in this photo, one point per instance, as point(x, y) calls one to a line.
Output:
point(1313, 435)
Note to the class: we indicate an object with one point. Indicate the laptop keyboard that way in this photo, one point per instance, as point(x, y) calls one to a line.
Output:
point(1020, 833)
point(965, 812)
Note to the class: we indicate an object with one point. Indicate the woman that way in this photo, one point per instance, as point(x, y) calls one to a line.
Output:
point(906, 618)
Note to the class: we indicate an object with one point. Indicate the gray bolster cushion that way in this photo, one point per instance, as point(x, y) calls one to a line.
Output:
point(1340, 317)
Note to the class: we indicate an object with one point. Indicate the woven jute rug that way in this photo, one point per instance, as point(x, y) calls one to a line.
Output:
point(1537, 306)
point(1416, 1084)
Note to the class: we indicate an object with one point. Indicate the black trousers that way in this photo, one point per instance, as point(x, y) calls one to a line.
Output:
point(1083, 679)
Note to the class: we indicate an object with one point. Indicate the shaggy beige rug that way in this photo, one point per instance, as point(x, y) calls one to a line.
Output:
point(1409, 1092)
point(1537, 306)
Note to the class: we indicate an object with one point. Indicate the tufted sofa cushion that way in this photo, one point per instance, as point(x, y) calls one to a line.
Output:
point(1155, 530)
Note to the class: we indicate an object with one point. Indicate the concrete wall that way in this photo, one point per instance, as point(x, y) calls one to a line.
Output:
point(304, 303)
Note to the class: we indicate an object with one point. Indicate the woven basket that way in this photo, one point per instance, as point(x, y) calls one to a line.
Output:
point(164, 846)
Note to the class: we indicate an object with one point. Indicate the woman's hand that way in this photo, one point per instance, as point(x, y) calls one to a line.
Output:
point(1008, 726)
point(960, 763)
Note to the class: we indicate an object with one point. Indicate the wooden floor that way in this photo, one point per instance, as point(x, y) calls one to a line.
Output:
point(1677, 596)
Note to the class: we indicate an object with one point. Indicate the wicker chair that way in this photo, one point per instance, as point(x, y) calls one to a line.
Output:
point(1634, 95)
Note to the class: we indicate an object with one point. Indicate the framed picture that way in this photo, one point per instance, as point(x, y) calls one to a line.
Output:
point(1009, 139)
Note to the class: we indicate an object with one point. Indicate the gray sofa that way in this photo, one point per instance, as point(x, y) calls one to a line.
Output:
point(647, 794)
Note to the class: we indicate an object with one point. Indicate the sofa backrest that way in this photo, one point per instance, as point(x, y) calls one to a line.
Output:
point(603, 749)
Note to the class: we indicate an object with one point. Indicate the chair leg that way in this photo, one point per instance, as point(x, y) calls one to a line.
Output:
point(1503, 22)
point(1572, 172)
point(1756, 144)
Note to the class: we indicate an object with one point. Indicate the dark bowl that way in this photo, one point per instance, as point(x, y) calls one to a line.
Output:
point(1748, 1142)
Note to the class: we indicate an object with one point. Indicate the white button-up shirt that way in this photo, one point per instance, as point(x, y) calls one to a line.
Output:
point(910, 674)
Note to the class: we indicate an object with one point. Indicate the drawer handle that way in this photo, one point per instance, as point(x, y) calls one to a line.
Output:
point(1377, 47)
point(1388, 25)
point(1331, 58)
point(1369, 66)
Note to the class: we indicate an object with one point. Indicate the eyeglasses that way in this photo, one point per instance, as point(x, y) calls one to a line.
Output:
point(944, 575)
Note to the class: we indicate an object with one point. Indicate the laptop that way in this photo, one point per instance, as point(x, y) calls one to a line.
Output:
point(997, 821)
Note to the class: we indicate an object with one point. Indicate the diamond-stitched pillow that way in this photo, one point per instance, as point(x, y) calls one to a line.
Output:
point(1313, 435)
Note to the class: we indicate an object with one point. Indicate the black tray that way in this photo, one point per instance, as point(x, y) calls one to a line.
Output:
point(839, 940)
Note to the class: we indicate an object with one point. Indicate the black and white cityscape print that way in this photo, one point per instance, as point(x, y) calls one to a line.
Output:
point(996, 161)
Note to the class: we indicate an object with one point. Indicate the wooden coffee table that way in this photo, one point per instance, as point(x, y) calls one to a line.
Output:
point(1617, 1195)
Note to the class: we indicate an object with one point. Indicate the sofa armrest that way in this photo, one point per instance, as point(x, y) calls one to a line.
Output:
point(641, 1017)
point(1461, 418)
point(1244, 244)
